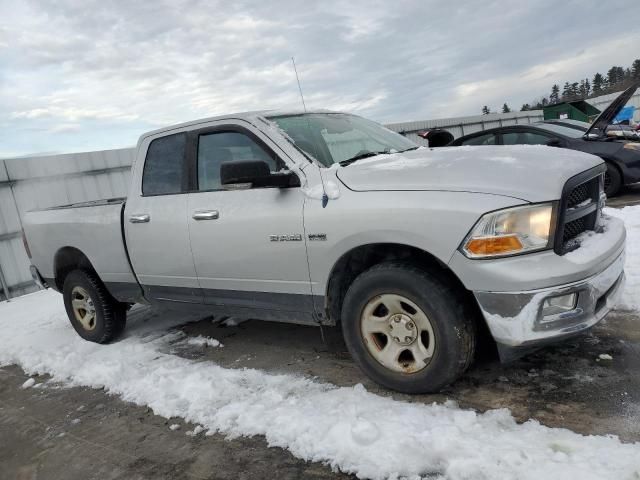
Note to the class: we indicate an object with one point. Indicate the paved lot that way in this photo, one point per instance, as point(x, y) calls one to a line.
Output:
point(79, 433)
point(630, 195)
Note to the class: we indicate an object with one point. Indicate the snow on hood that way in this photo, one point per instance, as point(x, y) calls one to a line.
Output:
point(534, 173)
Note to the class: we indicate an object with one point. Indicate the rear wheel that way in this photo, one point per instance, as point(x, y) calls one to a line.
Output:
point(406, 329)
point(93, 312)
point(612, 180)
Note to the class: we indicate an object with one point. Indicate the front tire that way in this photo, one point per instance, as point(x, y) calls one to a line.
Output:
point(612, 180)
point(94, 314)
point(407, 329)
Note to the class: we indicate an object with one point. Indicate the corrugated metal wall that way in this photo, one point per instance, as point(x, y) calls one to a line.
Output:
point(603, 102)
point(41, 182)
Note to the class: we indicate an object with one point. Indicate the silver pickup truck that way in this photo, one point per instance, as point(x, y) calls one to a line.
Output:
point(325, 218)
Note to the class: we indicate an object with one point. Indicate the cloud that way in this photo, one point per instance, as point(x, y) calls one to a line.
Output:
point(115, 69)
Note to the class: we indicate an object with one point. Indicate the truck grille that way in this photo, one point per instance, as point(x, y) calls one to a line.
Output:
point(573, 229)
point(578, 211)
point(578, 195)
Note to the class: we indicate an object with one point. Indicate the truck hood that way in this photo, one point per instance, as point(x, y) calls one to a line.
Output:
point(533, 173)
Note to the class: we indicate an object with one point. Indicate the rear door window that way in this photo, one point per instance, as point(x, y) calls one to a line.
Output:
point(164, 166)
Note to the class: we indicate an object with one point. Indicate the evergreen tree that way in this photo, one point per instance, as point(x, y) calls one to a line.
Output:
point(620, 73)
point(635, 69)
point(505, 108)
point(582, 89)
point(612, 77)
point(575, 91)
point(598, 84)
point(615, 76)
point(555, 94)
point(485, 110)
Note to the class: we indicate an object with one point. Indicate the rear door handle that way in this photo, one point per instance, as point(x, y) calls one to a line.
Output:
point(206, 215)
point(140, 218)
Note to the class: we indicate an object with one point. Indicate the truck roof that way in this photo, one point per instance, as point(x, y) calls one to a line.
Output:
point(248, 116)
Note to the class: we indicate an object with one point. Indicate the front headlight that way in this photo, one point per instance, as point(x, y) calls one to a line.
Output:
point(511, 231)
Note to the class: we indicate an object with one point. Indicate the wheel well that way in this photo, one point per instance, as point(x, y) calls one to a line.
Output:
point(356, 261)
point(615, 165)
point(610, 161)
point(66, 260)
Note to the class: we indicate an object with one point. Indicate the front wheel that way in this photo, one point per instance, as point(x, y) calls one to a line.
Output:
point(612, 180)
point(406, 329)
point(94, 314)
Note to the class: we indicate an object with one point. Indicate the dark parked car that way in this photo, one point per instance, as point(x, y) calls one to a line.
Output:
point(622, 155)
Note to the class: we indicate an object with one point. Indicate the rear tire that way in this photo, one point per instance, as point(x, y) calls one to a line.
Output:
point(93, 312)
point(407, 329)
point(612, 180)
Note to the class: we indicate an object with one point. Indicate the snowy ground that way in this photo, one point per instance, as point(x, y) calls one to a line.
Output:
point(631, 215)
point(348, 428)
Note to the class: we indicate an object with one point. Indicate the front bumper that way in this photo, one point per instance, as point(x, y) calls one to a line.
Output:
point(516, 319)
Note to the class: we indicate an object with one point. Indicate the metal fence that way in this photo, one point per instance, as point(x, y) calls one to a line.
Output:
point(41, 182)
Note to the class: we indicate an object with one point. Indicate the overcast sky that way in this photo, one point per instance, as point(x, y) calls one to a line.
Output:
point(87, 75)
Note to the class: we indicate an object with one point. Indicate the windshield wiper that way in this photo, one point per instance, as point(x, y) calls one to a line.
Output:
point(360, 156)
point(409, 149)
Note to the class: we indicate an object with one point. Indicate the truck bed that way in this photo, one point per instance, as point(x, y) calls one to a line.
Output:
point(94, 228)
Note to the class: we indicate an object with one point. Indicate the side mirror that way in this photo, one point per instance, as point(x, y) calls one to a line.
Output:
point(256, 174)
point(554, 142)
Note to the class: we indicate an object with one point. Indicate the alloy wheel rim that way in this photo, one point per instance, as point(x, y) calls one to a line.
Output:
point(397, 333)
point(83, 308)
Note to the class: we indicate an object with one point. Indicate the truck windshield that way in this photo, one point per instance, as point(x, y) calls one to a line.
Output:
point(338, 137)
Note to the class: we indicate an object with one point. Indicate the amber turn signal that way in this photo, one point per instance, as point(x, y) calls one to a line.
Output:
point(494, 245)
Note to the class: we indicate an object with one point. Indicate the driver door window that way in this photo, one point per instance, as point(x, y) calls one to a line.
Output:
point(216, 148)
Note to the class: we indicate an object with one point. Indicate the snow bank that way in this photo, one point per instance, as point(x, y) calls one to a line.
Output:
point(347, 428)
point(593, 244)
point(630, 299)
point(29, 383)
point(201, 341)
point(232, 321)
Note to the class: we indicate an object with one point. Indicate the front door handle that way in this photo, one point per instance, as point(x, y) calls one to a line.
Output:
point(206, 215)
point(140, 218)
